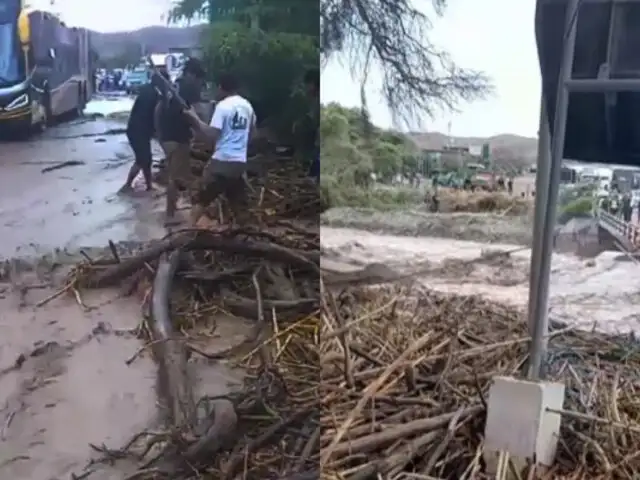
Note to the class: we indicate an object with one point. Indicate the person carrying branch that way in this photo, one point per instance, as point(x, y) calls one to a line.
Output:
point(232, 127)
point(174, 134)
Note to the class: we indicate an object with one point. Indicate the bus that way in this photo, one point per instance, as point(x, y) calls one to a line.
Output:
point(46, 68)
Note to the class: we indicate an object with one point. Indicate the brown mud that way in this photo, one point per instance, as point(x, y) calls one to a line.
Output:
point(66, 379)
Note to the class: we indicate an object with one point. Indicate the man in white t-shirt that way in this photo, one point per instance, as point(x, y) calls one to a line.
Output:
point(231, 128)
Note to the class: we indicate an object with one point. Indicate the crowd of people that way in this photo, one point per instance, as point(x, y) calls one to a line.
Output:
point(228, 134)
point(619, 204)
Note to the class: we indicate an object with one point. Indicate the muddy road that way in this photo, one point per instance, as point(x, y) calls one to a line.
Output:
point(64, 377)
point(73, 206)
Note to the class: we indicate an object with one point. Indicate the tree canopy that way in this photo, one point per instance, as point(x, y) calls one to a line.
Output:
point(418, 77)
point(390, 36)
point(268, 45)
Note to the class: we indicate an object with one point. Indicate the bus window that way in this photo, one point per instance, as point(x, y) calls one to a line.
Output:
point(10, 58)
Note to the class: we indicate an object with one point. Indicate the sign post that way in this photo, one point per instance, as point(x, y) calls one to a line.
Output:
point(546, 201)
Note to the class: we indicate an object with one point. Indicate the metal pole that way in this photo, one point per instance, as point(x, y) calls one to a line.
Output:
point(541, 319)
point(541, 189)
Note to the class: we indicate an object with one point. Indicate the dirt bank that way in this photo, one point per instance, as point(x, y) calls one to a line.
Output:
point(602, 290)
point(459, 226)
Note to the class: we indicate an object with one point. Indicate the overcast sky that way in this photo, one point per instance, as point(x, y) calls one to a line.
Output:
point(108, 15)
point(496, 36)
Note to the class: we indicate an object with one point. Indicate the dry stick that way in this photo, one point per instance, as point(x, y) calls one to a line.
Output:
point(344, 340)
point(464, 355)
point(368, 392)
point(399, 363)
point(264, 439)
point(55, 295)
point(442, 446)
point(409, 451)
point(367, 429)
point(350, 325)
point(262, 349)
point(594, 419)
point(309, 448)
point(114, 251)
point(405, 430)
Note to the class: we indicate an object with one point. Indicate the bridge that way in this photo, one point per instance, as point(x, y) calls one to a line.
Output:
point(627, 234)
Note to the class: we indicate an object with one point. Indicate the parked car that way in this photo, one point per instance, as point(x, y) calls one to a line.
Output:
point(135, 79)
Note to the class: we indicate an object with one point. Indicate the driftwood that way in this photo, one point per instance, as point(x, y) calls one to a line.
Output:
point(104, 276)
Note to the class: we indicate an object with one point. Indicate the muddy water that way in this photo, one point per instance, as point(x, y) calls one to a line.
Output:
point(604, 290)
point(75, 386)
point(65, 396)
point(74, 206)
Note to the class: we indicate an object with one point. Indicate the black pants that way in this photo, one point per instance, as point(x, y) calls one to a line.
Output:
point(141, 146)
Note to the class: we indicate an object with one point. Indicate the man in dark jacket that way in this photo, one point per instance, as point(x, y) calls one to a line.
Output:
point(174, 133)
point(139, 133)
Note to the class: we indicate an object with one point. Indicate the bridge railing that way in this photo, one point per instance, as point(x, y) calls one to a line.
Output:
point(617, 225)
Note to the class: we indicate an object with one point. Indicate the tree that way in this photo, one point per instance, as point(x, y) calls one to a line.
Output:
point(268, 44)
point(283, 16)
point(418, 77)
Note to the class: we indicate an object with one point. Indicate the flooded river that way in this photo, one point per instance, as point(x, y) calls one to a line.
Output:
point(604, 290)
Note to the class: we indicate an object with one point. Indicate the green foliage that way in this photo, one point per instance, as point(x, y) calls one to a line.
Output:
point(337, 193)
point(268, 45)
point(285, 16)
point(270, 66)
point(350, 148)
point(579, 207)
point(351, 151)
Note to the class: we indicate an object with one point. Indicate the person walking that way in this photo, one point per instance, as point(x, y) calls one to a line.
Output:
point(140, 130)
point(175, 135)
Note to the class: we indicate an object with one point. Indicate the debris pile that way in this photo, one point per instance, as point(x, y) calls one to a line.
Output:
point(456, 200)
point(250, 273)
point(406, 373)
point(347, 382)
point(266, 270)
point(277, 184)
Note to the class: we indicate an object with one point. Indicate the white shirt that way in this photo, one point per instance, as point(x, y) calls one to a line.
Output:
point(234, 117)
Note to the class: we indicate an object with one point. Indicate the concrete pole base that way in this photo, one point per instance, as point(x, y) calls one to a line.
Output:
point(520, 425)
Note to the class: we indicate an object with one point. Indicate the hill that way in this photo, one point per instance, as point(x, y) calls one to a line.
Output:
point(153, 39)
point(507, 148)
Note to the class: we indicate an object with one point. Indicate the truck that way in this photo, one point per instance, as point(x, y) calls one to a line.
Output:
point(46, 68)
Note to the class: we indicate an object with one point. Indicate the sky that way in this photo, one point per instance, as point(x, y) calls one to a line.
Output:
point(109, 15)
point(496, 36)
